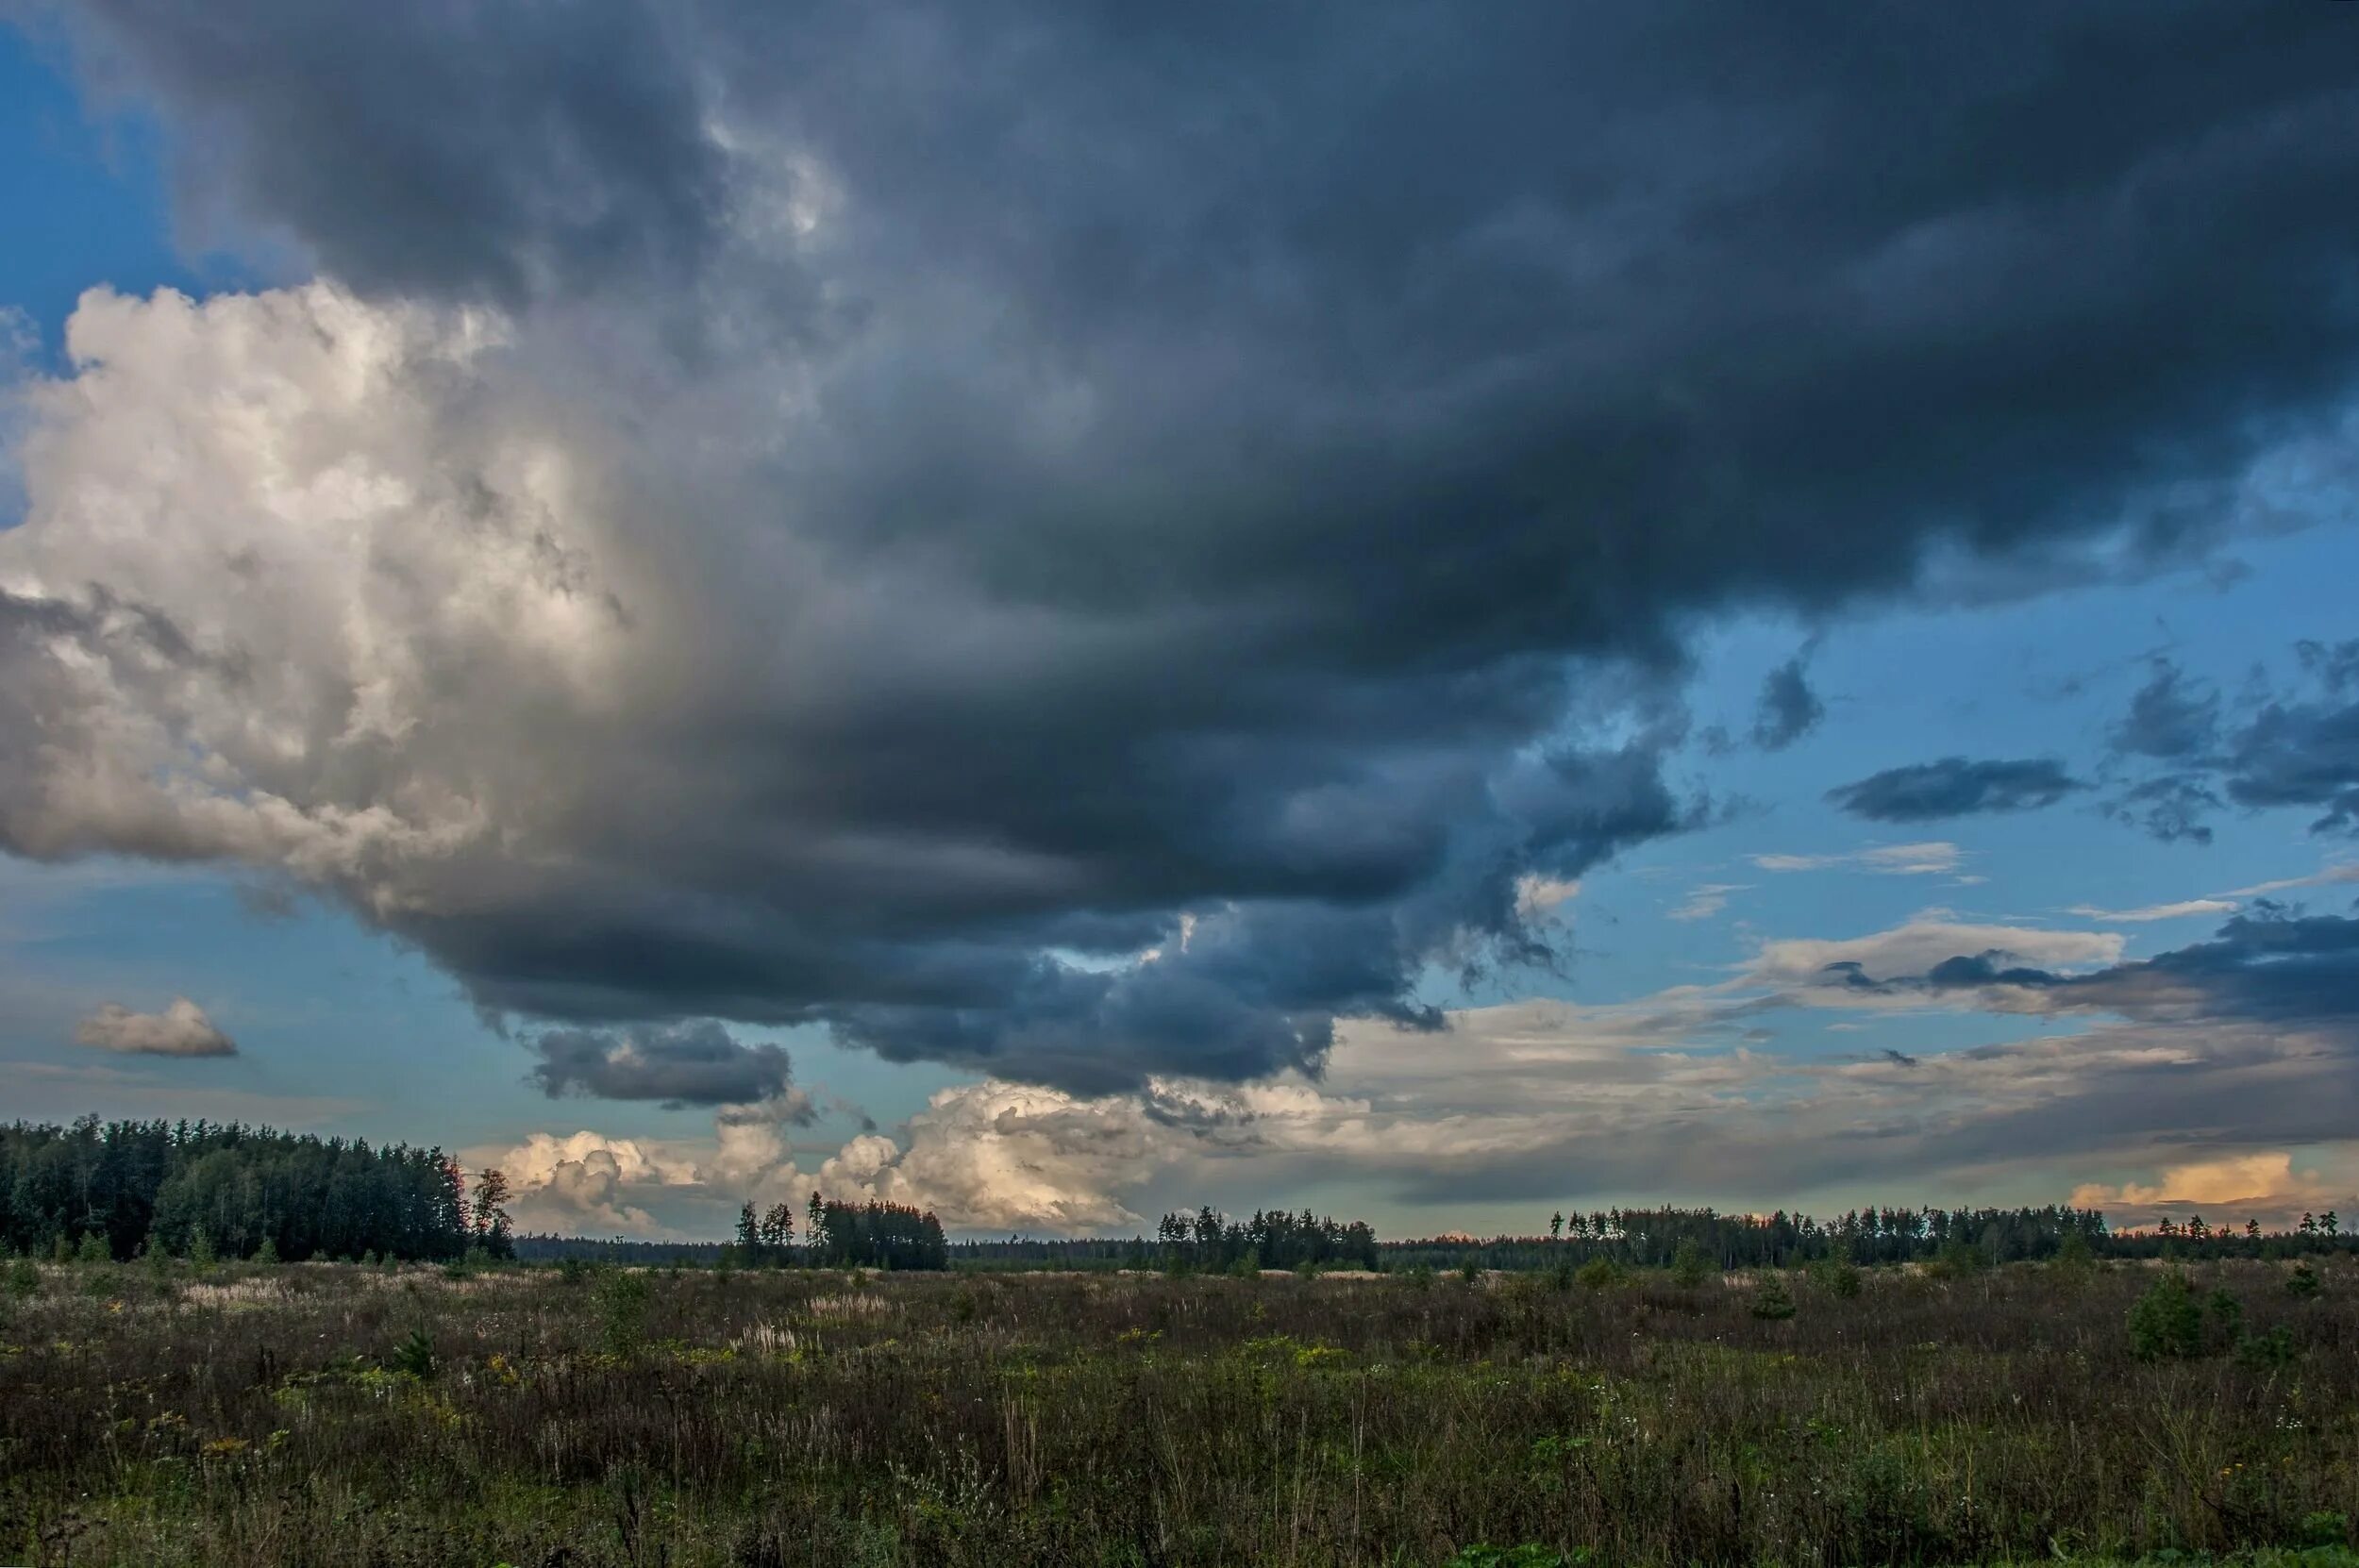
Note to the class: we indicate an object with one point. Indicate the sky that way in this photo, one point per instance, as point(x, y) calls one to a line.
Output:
point(1059, 614)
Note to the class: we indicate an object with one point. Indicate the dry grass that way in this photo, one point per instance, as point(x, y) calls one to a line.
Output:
point(257, 1419)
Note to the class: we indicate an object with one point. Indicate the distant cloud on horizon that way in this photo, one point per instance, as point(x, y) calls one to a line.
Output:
point(180, 1030)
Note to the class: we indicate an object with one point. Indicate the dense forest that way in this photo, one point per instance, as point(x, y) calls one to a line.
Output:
point(211, 1187)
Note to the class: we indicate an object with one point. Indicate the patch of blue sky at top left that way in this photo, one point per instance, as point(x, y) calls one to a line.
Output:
point(84, 200)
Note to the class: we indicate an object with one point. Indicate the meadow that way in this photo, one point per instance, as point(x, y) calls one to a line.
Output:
point(580, 1416)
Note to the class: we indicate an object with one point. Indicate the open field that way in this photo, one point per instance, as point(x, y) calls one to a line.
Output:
point(335, 1414)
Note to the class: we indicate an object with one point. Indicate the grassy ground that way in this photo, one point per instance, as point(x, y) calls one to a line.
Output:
point(334, 1415)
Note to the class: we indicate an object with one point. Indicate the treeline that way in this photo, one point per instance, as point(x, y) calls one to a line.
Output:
point(227, 1190)
point(839, 1234)
point(1652, 1238)
point(1272, 1239)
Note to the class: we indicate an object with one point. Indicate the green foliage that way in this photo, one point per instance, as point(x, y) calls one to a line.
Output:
point(1247, 1267)
point(201, 1257)
point(1419, 1276)
point(2073, 1253)
point(267, 1253)
point(1689, 1266)
point(1469, 1272)
point(1837, 1276)
point(1957, 1259)
point(2303, 1282)
point(2325, 1527)
point(1600, 1274)
point(93, 1249)
point(1530, 1555)
point(156, 1184)
point(2267, 1351)
point(2167, 1324)
point(2224, 1317)
point(415, 1355)
point(23, 1279)
point(622, 1313)
point(1772, 1300)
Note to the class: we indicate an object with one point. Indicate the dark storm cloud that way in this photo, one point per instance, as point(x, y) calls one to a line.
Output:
point(693, 1063)
point(2296, 748)
point(1955, 787)
point(1789, 709)
point(1085, 480)
point(445, 145)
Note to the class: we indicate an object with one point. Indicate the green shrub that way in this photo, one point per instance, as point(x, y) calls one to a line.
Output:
point(1419, 1276)
point(1689, 1266)
point(1837, 1276)
point(267, 1253)
point(2325, 1527)
point(2266, 1351)
point(415, 1355)
point(201, 1252)
point(1247, 1267)
point(23, 1279)
point(2223, 1318)
point(93, 1249)
point(1469, 1272)
point(622, 1313)
point(2304, 1281)
point(2167, 1324)
point(1600, 1274)
point(2073, 1254)
point(1773, 1301)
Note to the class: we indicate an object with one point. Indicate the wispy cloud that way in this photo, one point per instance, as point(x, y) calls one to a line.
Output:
point(1707, 899)
point(1931, 857)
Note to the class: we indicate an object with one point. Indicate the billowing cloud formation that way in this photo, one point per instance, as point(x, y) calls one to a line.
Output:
point(180, 1030)
point(1955, 787)
point(697, 1062)
point(883, 517)
point(2264, 1184)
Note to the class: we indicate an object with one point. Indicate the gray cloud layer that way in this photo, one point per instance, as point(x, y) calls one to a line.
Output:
point(1955, 787)
point(697, 1062)
point(878, 516)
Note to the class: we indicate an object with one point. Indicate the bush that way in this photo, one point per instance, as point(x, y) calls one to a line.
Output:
point(2266, 1351)
point(23, 1279)
point(1773, 1301)
point(622, 1313)
point(1247, 1267)
point(2303, 1282)
point(2167, 1324)
point(2224, 1317)
point(93, 1249)
point(1600, 1274)
point(1837, 1276)
point(2073, 1254)
point(415, 1355)
point(1469, 1272)
point(267, 1253)
point(1689, 1266)
point(201, 1252)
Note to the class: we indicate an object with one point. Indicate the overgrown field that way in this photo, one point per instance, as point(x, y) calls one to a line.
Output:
point(337, 1414)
